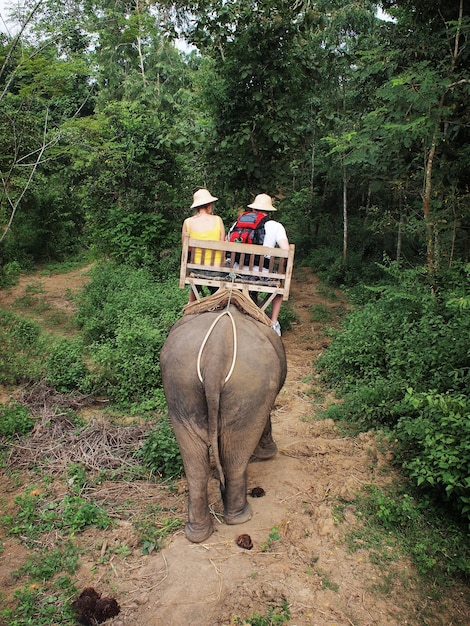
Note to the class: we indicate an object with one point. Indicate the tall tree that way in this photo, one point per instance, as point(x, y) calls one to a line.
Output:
point(40, 88)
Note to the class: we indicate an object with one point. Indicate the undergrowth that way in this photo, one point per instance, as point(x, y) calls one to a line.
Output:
point(401, 361)
point(397, 522)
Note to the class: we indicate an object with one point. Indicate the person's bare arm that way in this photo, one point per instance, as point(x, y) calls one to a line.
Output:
point(184, 230)
point(222, 230)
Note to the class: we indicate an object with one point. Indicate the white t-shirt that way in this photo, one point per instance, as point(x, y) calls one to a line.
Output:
point(274, 233)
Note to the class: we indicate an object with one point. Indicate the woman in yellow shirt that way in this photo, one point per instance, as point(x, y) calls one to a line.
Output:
point(204, 225)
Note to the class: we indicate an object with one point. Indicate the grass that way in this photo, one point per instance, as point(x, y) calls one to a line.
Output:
point(320, 313)
point(275, 614)
point(49, 516)
point(396, 525)
point(267, 546)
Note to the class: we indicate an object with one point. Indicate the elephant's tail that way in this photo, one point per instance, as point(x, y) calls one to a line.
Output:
point(213, 404)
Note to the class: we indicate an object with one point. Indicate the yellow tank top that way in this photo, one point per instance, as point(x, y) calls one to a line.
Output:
point(207, 235)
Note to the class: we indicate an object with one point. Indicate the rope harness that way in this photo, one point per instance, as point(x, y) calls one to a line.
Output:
point(226, 311)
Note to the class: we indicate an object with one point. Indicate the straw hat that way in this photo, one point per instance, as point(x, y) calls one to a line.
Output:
point(202, 197)
point(262, 203)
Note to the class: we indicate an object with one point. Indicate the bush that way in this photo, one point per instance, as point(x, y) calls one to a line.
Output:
point(66, 368)
point(404, 335)
point(369, 407)
point(434, 439)
point(9, 274)
point(125, 316)
point(23, 349)
point(15, 419)
point(161, 453)
point(435, 542)
point(410, 335)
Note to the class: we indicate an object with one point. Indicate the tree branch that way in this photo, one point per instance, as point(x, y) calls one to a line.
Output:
point(28, 182)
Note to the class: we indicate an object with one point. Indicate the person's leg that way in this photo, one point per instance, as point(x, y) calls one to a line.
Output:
point(276, 307)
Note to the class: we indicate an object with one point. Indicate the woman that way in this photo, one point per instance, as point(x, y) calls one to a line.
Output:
point(204, 225)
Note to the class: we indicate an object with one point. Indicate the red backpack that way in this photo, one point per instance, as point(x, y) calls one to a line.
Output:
point(249, 228)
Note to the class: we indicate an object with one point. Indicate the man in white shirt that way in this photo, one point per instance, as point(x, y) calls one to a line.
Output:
point(275, 235)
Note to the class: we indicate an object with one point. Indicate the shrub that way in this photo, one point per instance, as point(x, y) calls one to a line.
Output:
point(287, 316)
point(373, 406)
point(404, 335)
point(436, 544)
point(66, 368)
point(160, 451)
point(125, 317)
point(411, 335)
point(23, 349)
point(434, 438)
point(9, 274)
point(15, 419)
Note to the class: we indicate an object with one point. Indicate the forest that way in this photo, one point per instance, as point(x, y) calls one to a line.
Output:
point(356, 122)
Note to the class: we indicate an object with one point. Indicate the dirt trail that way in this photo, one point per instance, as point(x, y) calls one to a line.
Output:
point(298, 550)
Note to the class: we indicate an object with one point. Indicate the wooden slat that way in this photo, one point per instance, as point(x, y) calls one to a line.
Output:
point(279, 269)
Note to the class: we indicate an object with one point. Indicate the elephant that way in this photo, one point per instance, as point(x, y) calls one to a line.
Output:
point(221, 375)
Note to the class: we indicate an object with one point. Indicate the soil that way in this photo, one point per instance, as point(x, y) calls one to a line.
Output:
point(299, 551)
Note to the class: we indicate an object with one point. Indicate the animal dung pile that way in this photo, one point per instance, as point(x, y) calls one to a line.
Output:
point(257, 492)
point(90, 608)
point(244, 541)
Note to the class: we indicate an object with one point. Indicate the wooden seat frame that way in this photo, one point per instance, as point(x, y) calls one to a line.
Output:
point(251, 274)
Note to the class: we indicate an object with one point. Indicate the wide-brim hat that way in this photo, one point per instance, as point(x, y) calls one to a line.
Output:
point(262, 202)
point(202, 197)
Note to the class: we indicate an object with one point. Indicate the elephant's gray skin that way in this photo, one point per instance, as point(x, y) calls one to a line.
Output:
point(233, 416)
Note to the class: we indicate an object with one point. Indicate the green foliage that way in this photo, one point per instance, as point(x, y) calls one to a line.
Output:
point(36, 514)
point(23, 349)
point(434, 438)
point(320, 313)
point(377, 405)
point(124, 168)
point(409, 333)
point(125, 316)
point(275, 614)
point(365, 251)
point(152, 533)
point(66, 368)
point(78, 477)
point(49, 562)
point(75, 513)
point(42, 607)
point(15, 419)
point(287, 316)
point(160, 451)
point(9, 274)
point(274, 536)
point(411, 524)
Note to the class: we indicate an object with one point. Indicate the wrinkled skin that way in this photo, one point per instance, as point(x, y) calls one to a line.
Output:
point(232, 417)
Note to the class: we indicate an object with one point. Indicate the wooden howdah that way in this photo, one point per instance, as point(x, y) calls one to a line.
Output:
point(267, 272)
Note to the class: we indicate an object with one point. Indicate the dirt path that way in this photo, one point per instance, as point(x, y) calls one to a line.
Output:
point(298, 551)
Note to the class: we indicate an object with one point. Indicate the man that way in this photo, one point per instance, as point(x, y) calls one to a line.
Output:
point(274, 235)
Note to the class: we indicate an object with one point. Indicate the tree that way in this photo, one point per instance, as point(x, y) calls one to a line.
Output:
point(40, 88)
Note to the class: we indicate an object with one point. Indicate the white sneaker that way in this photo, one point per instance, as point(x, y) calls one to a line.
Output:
point(277, 328)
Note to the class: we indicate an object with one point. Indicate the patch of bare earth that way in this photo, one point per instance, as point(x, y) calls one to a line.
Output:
point(298, 552)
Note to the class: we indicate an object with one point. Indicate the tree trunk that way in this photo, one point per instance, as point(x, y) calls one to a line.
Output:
point(345, 214)
point(431, 233)
point(400, 227)
point(427, 206)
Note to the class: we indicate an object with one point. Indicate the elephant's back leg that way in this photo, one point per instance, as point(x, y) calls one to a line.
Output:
point(195, 455)
point(236, 446)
